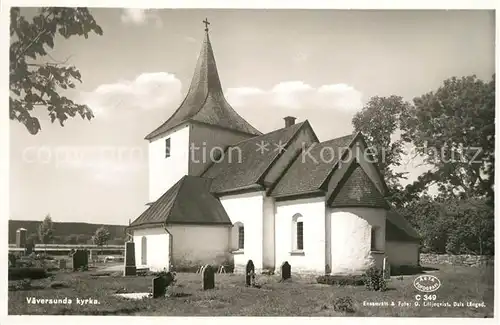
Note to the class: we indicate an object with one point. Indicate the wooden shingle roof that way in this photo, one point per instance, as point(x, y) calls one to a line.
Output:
point(244, 165)
point(188, 201)
point(357, 190)
point(205, 101)
point(398, 228)
point(311, 168)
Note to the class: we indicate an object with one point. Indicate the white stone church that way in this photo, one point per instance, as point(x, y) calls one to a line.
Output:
point(223, 193)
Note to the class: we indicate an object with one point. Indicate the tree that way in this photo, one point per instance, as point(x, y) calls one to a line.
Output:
point(46, 230)
point(454, 129)
point(453, 225)
point(472, 230)
point(34, 83)
point(71, 239)
point(101, 236)
point(429, 219)
point(83, 239)
point(33, 239)
point(117, 241)
point(379, 120)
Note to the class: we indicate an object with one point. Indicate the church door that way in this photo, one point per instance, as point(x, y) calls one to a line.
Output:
point(144, 251)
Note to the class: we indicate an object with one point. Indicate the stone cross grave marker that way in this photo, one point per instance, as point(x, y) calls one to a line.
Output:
point(386, 270)
point(250, 274)
point(286, 271)
point(208, 277)
point(129, 260)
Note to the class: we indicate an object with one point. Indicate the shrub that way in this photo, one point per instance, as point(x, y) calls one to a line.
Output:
point(374, 280)
point(83, 268)
point(12, 259)
point(20, 273)
point(343, 304)
point(354, 280)
point(24, 262)
point(58, 284)
point(20, 285)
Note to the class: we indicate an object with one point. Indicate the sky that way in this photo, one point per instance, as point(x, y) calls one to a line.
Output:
point(319, 65)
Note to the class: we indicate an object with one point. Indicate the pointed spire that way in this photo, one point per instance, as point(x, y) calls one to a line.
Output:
point(205, 101)
point(206, 77)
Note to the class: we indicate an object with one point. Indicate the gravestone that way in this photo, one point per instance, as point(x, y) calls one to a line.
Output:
point(286, 271)
point(30, 247)
point(208, 277)
point(386, 269)
point(21, 238)
point(130, 268)
point(62, 264)
point(250, 274)
point(80, 259)
point(159, 287)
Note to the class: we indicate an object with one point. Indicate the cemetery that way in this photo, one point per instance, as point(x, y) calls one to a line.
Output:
point(74, 286)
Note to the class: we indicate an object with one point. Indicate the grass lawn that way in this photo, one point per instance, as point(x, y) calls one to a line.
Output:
point(299, 296)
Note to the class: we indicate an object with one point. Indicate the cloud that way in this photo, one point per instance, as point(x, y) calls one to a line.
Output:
point(138, 16)
point(300, 57)
point(190, 39)
point(103, 163)
point(147, 91)
point(298, 95)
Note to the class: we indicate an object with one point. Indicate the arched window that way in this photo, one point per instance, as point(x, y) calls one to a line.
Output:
point(144, 250)
point(297, 232)
point(241, 237)
point(238, 236)
point(167, 147)
point(373, 238)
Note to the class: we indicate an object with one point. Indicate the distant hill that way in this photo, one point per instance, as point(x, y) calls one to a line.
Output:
point(63, 229)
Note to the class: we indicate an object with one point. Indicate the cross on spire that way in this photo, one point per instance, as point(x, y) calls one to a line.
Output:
point(206, 22)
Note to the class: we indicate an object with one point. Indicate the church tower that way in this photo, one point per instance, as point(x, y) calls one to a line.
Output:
point(199, 130)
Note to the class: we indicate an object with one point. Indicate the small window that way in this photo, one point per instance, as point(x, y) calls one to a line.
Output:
point(300, 235)
point(167, 148)
point(241, 237)
point(373, 245)
point(297, 233)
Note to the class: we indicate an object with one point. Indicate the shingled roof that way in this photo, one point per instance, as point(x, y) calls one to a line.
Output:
point(356, 189)
point(205, 102)
point(234, 174)
point(398, 228)
point(311, 168)
point(188, 201)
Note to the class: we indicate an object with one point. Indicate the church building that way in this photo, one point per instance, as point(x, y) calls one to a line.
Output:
point(221, 192)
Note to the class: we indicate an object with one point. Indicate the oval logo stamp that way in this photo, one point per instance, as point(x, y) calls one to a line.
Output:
point(426, 283)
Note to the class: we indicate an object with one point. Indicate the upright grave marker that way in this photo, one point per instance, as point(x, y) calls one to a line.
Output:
point(286, 271)
point(386, 269)
point(129, 267)
point(80, 259)
point(30, 247)
point(208, 277)
point(159, 287)
point(250, 274)
point(21, 238)
point(161, 283)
